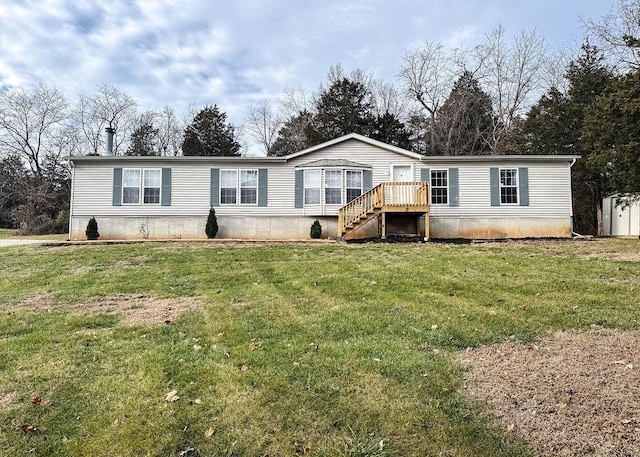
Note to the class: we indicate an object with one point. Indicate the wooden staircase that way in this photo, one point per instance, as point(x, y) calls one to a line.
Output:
point(387, 197)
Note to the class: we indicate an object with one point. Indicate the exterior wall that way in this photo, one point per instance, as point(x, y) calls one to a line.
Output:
point(499, 227)
point(188, 227)
point(620, 220)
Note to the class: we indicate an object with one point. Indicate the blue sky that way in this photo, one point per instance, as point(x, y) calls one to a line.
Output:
point(182, 52)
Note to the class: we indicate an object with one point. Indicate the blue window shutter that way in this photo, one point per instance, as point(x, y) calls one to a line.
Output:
point(453, 187)
point(367, 183)
point(117, 187)
point(215, 187)
point(494, 174)
point(425, 175)
point(166, 187)
point(299, 188)
point(262, 187)
point(523, 184)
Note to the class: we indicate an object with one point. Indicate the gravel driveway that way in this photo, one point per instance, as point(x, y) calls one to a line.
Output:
point(4, 243)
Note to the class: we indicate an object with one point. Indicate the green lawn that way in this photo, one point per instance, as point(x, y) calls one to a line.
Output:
point(13, 234)
point(332, 350)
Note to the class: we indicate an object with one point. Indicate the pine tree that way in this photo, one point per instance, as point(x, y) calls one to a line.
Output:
point(211, 229)
point(345, 107)
point(292, 136)
point(209, 134)
point(92, 229)
point(144, 141)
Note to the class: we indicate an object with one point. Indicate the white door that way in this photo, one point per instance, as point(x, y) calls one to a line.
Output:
point(402, 173)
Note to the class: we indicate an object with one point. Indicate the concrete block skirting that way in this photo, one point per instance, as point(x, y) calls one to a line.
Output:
point(298, 227)
point(192, 227)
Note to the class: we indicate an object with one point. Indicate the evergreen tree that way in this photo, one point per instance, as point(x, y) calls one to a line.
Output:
point(344, 107)
point(209, 134)
point(389, 129)
point(292, 136)
point(144, 141)
point(464, 122)
point(211, 228)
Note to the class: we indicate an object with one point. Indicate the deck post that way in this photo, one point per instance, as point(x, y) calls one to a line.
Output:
point(383, 216)
point(426, 226)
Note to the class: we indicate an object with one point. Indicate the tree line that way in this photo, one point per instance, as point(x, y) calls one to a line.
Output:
point(503, 96)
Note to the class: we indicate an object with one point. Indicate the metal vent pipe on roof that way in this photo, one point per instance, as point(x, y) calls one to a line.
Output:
point(110, 131)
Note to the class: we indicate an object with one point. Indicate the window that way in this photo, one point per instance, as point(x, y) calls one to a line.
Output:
point(333, 187)
point(249, 187)
point(509, 186)
point(151, 186)
point(312, 180)
point(228, 187)
point(130, 187)
point(439, 187)
point(354, 184)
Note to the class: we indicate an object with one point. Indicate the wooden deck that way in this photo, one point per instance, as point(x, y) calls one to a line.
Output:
point(385, 198)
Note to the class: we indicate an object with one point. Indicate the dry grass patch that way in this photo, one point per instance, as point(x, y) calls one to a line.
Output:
point(569, 395)
point(133, 309)
point(6, 399)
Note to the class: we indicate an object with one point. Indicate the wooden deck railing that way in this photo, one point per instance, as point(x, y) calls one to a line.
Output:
point(387, 196)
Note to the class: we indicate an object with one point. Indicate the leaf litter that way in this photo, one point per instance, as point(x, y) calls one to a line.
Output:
point(572, 394)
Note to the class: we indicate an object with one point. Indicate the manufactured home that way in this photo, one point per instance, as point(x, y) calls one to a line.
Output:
point(355, 186)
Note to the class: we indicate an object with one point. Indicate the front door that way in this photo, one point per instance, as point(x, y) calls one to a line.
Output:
point(401, 194)
point(402, 173)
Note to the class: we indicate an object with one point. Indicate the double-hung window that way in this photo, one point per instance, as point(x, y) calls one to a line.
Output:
point(228, 187)
point(249, 187)
point(151, 186)
point(509, 186)
point(312, 182)
point(354, 184)
point(130, 187)
point(137, 182)
point(439, 187)
point(333, 187)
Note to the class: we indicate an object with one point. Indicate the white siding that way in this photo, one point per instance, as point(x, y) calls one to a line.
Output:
point(549, 191)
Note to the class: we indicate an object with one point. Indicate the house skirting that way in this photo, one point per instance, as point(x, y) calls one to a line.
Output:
point(192, 227)
point(499, 228)
point(298, 227)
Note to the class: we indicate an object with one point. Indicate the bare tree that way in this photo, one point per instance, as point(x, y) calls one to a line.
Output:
point(618, 32)
point(33, 125)
point(512, 74)
point(427, 74)
point(263, 124)
point(170, 132)
point(108, 107)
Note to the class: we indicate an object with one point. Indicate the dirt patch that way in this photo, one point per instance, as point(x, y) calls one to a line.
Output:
point(572, 394)
point(6, 398)
point(133, 309)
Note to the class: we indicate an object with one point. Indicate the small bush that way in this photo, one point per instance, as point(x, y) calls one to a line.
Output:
point(211, 229)
point(92, 229)
point(316, 230)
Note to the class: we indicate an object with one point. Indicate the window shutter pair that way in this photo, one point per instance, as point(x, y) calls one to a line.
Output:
point(523, 186)
point(165, 193)
point(214, 190)
point(453, 197)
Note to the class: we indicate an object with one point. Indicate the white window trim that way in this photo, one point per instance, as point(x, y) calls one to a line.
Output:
point(238, 187)
point(439, 187)
point(517, 186)
point(140, 188)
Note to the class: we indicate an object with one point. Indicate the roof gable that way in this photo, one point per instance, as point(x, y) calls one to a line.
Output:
point(361, 138)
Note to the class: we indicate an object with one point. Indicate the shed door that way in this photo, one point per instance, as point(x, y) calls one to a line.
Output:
point(402, 173)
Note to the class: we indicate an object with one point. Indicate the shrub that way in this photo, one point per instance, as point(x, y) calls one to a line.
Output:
point(92, 229)
point(211, 229)
point(316, 230)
